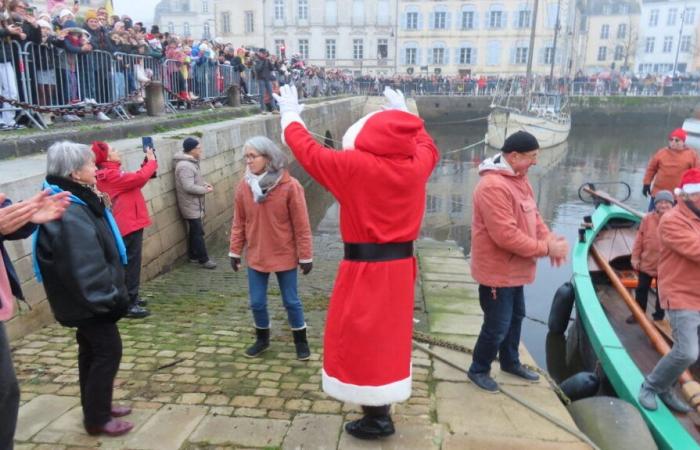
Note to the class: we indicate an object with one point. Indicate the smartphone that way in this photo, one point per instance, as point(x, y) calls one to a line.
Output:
point(147, 142)
point(30, 11)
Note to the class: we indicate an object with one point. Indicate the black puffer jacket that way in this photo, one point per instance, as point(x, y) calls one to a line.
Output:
point(79, 262)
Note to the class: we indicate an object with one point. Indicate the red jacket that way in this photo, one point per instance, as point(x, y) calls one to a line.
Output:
point(666, 167)
point(124, 190)
point(508, 234)
point(679, 263)
point(645, 252)
point(276, 232)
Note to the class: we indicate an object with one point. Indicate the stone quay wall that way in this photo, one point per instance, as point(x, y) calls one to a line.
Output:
point(165, 240)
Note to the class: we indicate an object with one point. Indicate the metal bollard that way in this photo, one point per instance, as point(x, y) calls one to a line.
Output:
point(155, 101)
point(234, 95)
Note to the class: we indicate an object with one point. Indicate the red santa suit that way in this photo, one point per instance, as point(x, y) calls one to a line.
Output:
point(380, 187)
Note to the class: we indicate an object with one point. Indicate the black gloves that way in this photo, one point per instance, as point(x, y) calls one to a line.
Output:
point(306, 267)
point(646, 190)
point(235, 262)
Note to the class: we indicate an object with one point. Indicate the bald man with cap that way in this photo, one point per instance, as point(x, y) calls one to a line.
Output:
point(508, 236)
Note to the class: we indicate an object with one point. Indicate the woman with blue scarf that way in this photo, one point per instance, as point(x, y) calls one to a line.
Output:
point(80, 259)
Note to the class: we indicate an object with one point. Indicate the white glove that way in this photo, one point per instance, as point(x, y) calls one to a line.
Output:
point(288, 100)
point(395, 99)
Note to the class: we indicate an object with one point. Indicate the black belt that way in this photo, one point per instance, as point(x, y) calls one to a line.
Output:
point(378, 252)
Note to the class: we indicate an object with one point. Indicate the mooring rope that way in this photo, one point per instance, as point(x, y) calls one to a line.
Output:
point(577, 433)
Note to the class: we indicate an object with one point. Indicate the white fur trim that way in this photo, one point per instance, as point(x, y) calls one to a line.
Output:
point(691, 188)
point(302, 328)
point(233, 255)
point(306, 260)
point(351, 134)
point(395, 392)
point(677, 192)
point(289, 118)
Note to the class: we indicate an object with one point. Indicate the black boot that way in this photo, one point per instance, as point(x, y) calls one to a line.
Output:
point(302, 346)
point(375, 424)
point(262, 342)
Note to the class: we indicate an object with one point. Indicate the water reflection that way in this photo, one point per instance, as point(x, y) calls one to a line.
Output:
point(590, 154)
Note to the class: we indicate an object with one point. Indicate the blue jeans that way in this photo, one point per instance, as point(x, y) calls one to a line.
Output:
point(257, 286)
point(266, 85)
point(500, 332)
point(684, 325)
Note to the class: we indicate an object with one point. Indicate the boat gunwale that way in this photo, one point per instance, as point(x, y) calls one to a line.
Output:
point(621, 370)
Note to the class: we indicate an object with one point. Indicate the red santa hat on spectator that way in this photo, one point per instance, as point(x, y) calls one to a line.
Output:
point(384, 133)
point(101, 150)
point(690, 182)
point(678, 133)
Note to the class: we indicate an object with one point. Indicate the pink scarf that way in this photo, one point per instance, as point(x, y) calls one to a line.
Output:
point(7, 300)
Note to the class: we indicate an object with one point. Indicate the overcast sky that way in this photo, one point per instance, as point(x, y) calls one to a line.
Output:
point(139, 10)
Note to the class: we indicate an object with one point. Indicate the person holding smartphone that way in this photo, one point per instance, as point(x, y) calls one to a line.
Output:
point(129, 209)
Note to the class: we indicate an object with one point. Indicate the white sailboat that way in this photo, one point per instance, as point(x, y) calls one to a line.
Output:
point(545, 115)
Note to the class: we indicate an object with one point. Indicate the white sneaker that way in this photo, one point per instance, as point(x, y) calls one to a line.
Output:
point(102, 117)
point(71, 118)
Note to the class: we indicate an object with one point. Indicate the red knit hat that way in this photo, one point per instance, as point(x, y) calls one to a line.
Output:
point(690, 182)
point(100, 149)
point(678, 133)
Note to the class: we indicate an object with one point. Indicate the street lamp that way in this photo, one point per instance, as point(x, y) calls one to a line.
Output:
point(680, 36)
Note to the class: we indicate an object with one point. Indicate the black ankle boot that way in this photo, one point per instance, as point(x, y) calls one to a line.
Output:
point(262, 342)
point(301, 344)
point(375, 424)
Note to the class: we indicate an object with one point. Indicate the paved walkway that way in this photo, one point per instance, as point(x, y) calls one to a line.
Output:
point(185, 375)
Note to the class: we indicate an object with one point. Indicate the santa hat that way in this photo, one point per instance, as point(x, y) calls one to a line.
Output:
point(678, 133)
point(384, 133)
point(100, 149)
point(690, 182)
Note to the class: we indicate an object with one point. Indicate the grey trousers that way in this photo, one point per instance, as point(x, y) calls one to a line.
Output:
point(9, 394)
point(684, 323)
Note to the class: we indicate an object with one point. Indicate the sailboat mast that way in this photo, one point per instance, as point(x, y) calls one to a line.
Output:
point(554, 44)
point(531, 50)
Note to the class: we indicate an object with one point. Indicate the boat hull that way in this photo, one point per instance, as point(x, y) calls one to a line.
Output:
point(692, 127)
point(503, 123)
point(619, 367)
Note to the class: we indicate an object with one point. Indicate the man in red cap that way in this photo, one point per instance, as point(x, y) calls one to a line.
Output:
point(679, 280)
point(666, 166)
point(130, 211)
point(379, 183)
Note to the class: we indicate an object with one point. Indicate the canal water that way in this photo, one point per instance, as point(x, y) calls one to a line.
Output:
point(590, 155)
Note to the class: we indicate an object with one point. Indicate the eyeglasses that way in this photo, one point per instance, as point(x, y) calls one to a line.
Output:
point(251, 157)
point(675, 140)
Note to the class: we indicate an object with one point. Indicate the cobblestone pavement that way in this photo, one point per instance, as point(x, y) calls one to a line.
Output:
point(184, 373)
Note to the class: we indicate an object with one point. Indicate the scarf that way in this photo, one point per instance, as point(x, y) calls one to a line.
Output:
point(262, 184)
point(81, 195)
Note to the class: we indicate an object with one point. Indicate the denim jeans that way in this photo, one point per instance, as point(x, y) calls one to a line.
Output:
point(266, 85)
point(9, 394)
point(500, 332)
point(684, 352)
point(196, 247)
point(257, 286)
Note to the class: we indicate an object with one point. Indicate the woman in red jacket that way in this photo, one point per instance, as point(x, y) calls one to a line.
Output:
point(129, 209)
point(271, 220)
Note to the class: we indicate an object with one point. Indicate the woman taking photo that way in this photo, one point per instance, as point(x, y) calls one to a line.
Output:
point(81, 259)
point(271, 220)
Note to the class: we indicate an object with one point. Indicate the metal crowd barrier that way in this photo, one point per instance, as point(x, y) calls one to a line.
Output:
point(14, 85)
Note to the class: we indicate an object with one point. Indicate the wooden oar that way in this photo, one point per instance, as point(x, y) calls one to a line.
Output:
point(608, 199)
point(690, 387)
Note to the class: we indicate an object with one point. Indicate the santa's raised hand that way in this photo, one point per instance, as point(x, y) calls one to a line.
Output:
point(290, 108)
point(395, 100)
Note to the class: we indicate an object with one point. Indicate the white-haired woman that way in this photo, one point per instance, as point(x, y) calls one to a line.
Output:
point(80, 260)
point(272, 222)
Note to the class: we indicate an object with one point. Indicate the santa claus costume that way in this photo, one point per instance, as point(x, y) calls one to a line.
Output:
point(380, 185)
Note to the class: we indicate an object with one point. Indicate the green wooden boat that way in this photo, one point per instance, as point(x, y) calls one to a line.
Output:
point(623, 350)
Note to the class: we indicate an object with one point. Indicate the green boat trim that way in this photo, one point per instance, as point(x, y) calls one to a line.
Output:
point(621, 370)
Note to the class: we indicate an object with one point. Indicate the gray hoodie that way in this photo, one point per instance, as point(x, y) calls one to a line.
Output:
point(190, 186)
